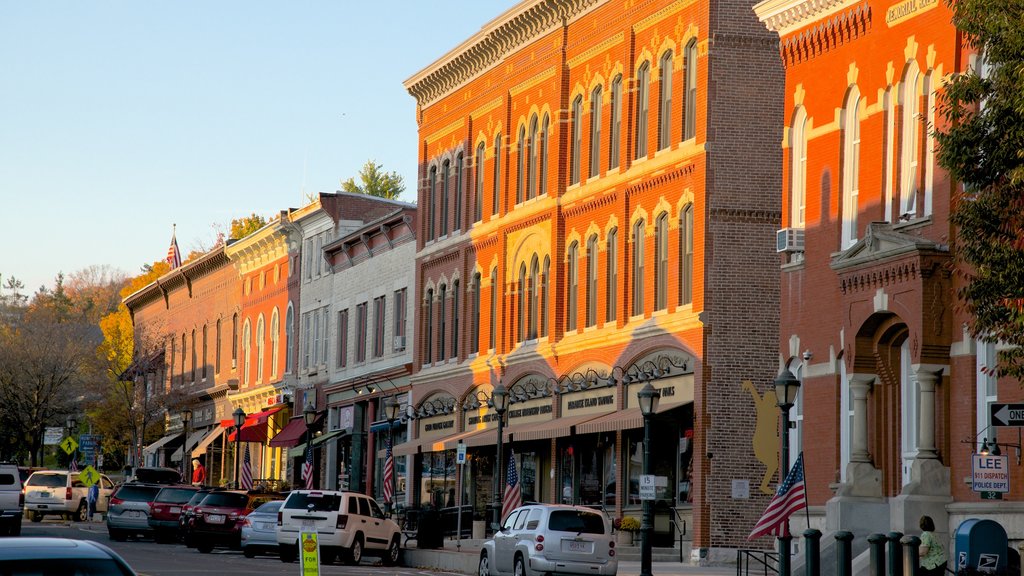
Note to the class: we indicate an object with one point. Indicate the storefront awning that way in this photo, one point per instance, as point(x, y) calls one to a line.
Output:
point(292, 433)
point(255, 427)
point(452, 442)
point(329, 436)
point(552, 428)
point(193, 438)
point(382, 426)
point(206, 441)
point(161, 443)
point(621, 420)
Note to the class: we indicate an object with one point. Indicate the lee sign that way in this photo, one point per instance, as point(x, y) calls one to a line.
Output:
point(990, 473)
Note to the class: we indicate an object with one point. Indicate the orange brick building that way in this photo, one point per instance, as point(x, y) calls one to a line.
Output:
point(598, 197)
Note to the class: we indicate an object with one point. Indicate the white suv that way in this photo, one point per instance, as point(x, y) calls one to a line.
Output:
point(546, 538)
point(61, 492)
point(348, 524)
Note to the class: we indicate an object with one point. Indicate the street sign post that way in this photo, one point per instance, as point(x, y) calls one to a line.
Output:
point(52, 435)
point(89, 476)
point(68, 445)
point(647, 487)
point(89, 444)
point(1006, 414)
point(990, 473)
point(460, 454)
point(309, 549)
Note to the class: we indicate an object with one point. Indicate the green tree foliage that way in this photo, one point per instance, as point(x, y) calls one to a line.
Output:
point(242, 227)
point(982, 147)
point(375, 182)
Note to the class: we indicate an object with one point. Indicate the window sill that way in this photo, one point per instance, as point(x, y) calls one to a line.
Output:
point(661, 312)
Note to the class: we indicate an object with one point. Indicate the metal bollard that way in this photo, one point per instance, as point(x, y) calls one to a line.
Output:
point(911, 550)
point(812, 552)
point(784, 550)
point(844, 553)
point(895, 560)
point(876, 543)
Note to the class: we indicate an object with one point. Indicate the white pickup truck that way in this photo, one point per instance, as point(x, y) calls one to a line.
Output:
point(12, 499)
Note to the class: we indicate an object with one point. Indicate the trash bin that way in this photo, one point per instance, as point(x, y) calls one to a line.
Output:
point(428, 533)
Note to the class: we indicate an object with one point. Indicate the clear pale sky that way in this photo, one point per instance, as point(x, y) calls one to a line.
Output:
point(121, 118)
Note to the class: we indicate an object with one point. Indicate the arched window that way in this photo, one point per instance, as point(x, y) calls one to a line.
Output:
point(686, 255)
point(595, 131)
point(638, 268)
point(195, 355)
point(798, 179)
point(234, 341)
point(661, 262)
point(275, 339)
point(428, 319)
point(545, 296)
point(174, 343)
point(432, 198)
point(446, 169)
point(456, 304)
point(521, 300)
point(246, 353)
point(542, 145)
point(532, 153)
point(592, 280)
point(612, 273)
point(690, 90)
point(929, 148)
point(205, 363)
point(493, 332)
point(442, 333)
point(289, 339)
point(572, 263)
point(474, 334)
point(478, 210)
point(217, 349)
point(261, 333)
point(576, 139)
point(459, 166)
point(520, 159)
point(616, 124)
point(643, 79)
point(665, 101)
point(851, 168)
point(534, 298)
point(910, 141)
point(495, 192)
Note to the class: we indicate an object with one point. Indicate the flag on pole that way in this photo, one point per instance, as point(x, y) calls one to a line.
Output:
point(389, 473)
point(307, 469)
point(512, 498)
point(246, 479)
point(173, 254)
point(789, 498)
point(73, 467)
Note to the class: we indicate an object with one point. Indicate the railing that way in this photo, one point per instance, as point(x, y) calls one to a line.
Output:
point(764, 561)
point(680, 527)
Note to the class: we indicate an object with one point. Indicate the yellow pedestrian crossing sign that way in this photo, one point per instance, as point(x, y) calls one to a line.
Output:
point(89, 476)
point(69, 445)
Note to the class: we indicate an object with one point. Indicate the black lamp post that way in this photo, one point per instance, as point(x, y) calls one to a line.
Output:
point(648, 398)
point(499, 399)
point(391, 409)
point(186, 416)
point(309, 416)
point(786, 389)
point(239, 416)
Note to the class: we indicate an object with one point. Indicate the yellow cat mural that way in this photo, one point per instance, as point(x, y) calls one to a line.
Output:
point(766, 433)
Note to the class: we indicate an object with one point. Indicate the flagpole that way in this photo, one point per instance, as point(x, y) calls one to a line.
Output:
point(807, 506)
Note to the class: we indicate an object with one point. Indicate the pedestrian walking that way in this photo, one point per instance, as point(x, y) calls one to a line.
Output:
point(933, 554)
point(92, 497)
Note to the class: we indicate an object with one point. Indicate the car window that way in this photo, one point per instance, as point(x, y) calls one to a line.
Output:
point(48, 480)
point(257, 501)
point(7, 480)
point(269, 507)
point(364, 507)
point(534, 520)
point(353, 507)
point(375, 509)
point(225, 500)
point(313, 501)
point(197, 498)
point(576, 521)
point(175, 495)
point(521, 521)
point(107, 484)
point(133, 493)
point(511, 519)
point(76, 482)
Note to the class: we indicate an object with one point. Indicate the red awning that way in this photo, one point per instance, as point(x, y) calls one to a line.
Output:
point(255, 427)
point(291, 434)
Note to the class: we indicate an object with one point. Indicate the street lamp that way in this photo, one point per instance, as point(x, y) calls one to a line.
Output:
point(186, 416)
point(309, 416)
point(786, 389)
point(499, 399)
point(391, 409)
point(239, 416)
point(648, 398)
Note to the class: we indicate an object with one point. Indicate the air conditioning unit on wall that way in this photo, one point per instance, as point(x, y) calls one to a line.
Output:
point(399, 343)
point(789, 240)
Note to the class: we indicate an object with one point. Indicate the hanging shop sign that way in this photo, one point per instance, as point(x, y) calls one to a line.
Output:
point(596, 401)
point(674, 390)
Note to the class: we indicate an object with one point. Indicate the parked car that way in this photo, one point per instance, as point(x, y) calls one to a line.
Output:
point(259, 529)
point(49, 492)
point(188, 513)
point(166, 510)
point(155, 475)
point(543, 538)
point(129, 510)
point(30, 556)
point(217, 519)
point(12, 499)
point(349, 524)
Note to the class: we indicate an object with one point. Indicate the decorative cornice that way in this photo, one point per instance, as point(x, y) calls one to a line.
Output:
point(784, 16)
point(826, 36)
point(523, 23)
point(259, 248)
point(598, 48)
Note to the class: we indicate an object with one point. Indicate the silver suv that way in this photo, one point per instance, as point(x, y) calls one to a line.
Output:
point(348, 523)
point(547, 538)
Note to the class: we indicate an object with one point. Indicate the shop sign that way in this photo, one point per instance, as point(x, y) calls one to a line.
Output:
point(52, 435)
point(481, 418)
point(536, 410)
point(588, 402)
point(907, 9)
point(437, 426)
point(346, 417)
point(674, 390)
point(648, 489)
point(309, 552)
point(990, 473)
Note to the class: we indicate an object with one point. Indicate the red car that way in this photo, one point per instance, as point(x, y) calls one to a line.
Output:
point(165, 510)
point(217, 519)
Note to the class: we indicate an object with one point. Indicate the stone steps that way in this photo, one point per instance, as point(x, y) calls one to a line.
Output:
point(658, 554)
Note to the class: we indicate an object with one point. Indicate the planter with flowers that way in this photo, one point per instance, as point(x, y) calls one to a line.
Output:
point(626, 528)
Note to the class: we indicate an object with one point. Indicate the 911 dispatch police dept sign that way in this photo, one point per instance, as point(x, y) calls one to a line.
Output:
point(990, 473)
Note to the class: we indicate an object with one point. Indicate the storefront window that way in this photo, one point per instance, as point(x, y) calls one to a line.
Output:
point(528, 476)
point(664, 463)
point(437, 478)
point(567, 474)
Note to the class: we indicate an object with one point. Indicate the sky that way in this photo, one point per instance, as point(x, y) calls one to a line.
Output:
point(120, 119)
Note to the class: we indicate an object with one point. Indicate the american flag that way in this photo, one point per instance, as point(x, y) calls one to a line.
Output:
point(389, 473)
point(512, 498)
point(307, 468)
point(789, 498)
point(74, 465)
point(173, 254)
point(246, 480)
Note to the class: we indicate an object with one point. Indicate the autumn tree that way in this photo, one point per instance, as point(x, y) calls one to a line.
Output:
point(242, 227)
point(375, 182)
point(982, 147)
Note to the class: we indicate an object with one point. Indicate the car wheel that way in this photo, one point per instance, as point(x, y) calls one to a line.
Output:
point(355, 553)
point(520, 569)
point(485, 565)
point(328, 557)
point(16, 528)
point(82, 514)
point(35, 517)
point(249, 552)
point(287, 553)
point(391, 556)
point(204, 548)
point(117, 535)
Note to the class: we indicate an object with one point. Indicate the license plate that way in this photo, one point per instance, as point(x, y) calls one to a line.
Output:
point(215, 518)
point(175, 510)
point(134, 514)
point(577, 546)
point(43, 506)
point(264, 525)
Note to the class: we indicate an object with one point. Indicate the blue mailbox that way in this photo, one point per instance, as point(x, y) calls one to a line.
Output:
point(981, 545)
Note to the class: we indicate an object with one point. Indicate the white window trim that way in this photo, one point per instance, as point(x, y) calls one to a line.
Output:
point(909, 142)
point(798, 186)
point(845, 421)
point(987, 392)
point(851, 168)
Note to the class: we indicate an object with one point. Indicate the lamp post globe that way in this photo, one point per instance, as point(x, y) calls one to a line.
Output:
point(239, 417)
point(309, 415)
point(648, 398)
point(787, 386)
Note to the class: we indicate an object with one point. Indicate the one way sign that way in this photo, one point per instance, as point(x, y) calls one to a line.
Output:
point(1007, 414)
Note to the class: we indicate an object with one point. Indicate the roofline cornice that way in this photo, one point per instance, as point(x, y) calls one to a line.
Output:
point(785, 16)
point(184, 274)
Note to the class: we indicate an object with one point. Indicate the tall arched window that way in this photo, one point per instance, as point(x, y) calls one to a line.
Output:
point(496, 190)
point(576, 139)
point(460, 164)
point(616, 124)
point(446, 169)
point(474, 334)
point(665, 101)
point(910, 141)
point(638, 268)
point(234, 341)
point(929, 149)
point(428, 320)
point(542, 146)
point(545, 295)
point(611, 274)
point(534, 298)
point(275, 339)
point(532, 153)
point(456, 304)
point(289, 339)
point(261, 333)
point(643, 79)
point(216, 348)
point(798, 179)
point(493, 331)
point(442, 324)
point(851, 168)
point(205, 363)
point(247, 353)
point(478, 210)
point(595, 131)
point(431, 200)
point(572, 264)
point(591, 281)
point(690, 90)
point(195, 355)
point(686, 255)
point(661, 262)
point(520, 160)
point(521, 301)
